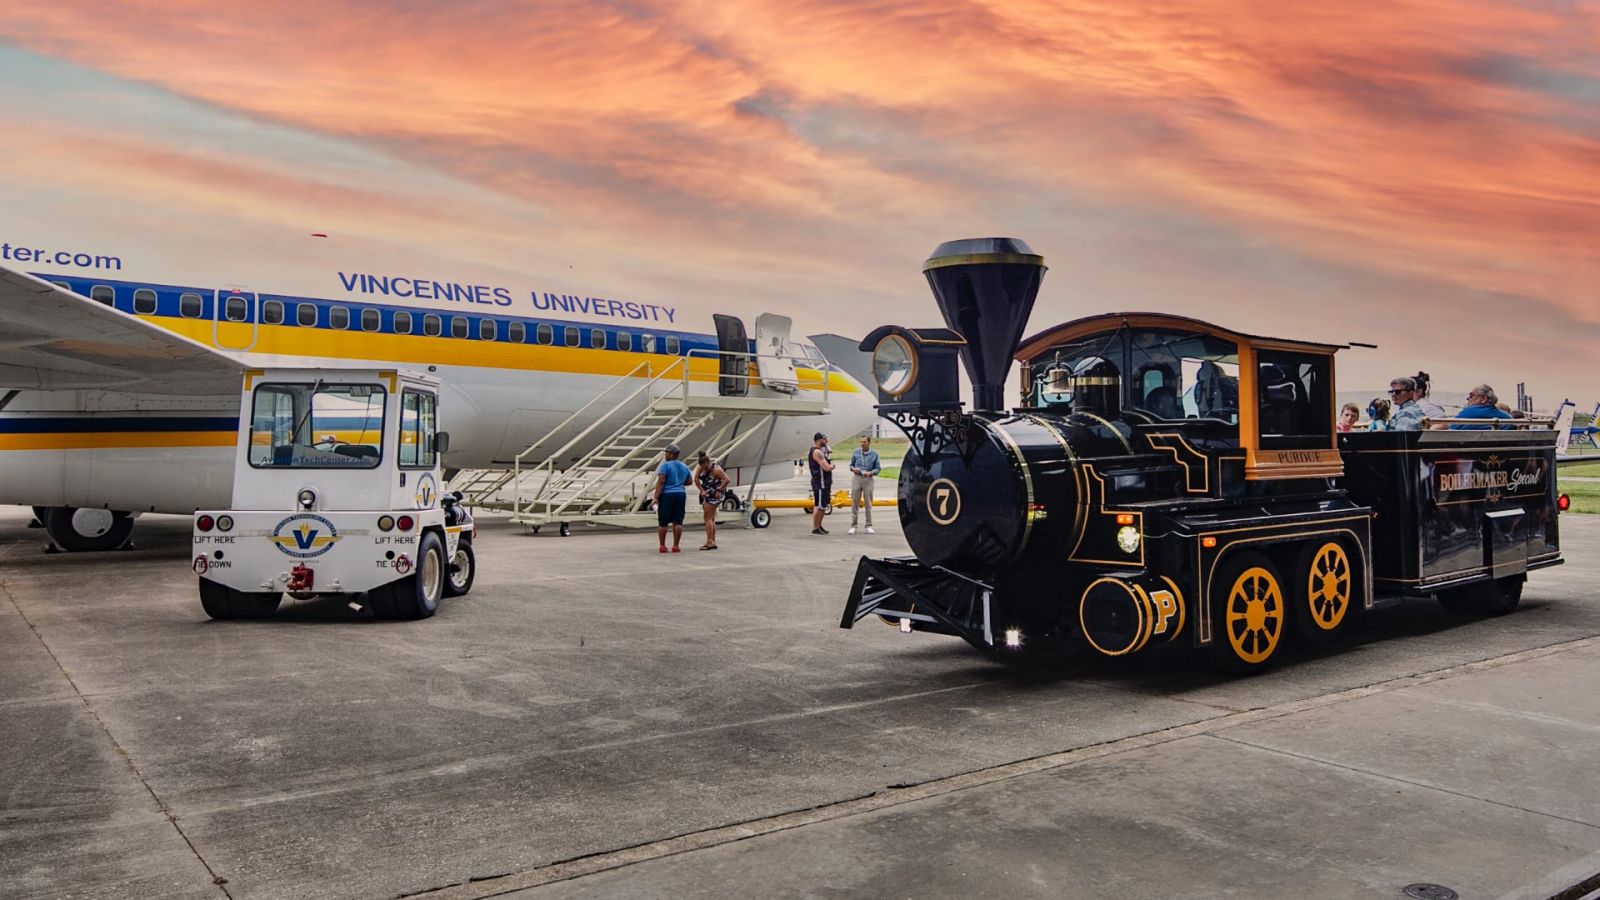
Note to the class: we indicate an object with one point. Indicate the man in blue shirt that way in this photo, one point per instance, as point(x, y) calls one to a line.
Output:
point(864, 469)
point(1407, 415)
point(670, 498)
point(1481, 404)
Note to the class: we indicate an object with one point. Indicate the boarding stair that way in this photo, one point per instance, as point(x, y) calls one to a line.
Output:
point(604, 472)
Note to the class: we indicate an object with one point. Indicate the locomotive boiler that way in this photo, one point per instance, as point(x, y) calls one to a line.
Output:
point(1164, 479)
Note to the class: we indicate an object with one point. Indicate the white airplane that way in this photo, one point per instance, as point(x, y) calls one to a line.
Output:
point(121, 397)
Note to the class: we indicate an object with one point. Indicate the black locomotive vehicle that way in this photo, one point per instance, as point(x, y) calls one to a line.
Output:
point(1165, 479)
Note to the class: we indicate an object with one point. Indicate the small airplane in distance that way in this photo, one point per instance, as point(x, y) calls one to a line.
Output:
point(1566, 432)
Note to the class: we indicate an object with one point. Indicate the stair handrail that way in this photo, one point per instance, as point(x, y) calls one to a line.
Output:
point(549, 461)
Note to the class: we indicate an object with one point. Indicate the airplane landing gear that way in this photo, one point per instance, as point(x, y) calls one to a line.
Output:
point(79, 530)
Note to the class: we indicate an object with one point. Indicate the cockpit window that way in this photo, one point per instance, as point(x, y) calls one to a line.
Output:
point(1184, 375)
point(317, 426)
point(1054, 372)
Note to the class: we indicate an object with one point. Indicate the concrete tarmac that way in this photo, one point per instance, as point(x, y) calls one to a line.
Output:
point(597, 719)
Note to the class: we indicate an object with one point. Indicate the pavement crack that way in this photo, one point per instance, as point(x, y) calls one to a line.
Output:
point(127, 758)
point(1305, 757)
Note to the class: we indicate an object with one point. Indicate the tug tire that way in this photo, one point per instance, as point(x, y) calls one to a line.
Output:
point(223, 602)
point(461, 571)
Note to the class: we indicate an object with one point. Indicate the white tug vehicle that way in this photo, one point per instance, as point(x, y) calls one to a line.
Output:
point(336, 491)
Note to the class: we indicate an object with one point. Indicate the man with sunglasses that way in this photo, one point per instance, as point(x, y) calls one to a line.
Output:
point(1482, 403)
point(1407, 415)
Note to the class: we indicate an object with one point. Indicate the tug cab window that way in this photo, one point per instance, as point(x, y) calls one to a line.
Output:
point(317, 426)
point(1294, 397)
point(418, 424)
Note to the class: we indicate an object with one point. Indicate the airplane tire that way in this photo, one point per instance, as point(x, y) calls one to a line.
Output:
point(463, 569)
point(417, 595)
point(87, 530)
point(223, 602)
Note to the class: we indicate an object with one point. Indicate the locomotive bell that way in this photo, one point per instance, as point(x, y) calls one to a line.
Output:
point(985, 288)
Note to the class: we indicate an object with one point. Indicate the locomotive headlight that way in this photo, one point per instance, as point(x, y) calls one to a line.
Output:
point(1128, 538)
point(894, 365)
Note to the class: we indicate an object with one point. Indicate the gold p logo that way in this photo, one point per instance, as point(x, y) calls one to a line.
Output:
point(944, 501)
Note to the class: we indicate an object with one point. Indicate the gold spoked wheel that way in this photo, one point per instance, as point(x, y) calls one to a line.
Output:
point(1252, 616)
point(1328, 587)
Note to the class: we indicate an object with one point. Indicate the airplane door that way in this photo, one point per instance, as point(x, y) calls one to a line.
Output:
point(776, 368)
point(234, 318)
point(734, 363)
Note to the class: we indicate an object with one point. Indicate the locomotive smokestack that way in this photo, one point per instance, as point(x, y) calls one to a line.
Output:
point(986, 288)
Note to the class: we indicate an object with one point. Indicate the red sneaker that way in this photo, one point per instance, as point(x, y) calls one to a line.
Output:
point(663, 549)
point(676, 550)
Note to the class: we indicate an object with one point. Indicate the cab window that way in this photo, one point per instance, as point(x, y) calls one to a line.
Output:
point(190, 306)
point(144, 301)
point(317, 426)
point(1183, 375)
point(417, 428)
point(1295, 400)
point(272, 312)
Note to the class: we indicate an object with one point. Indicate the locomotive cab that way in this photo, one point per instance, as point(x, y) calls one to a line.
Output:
point(1161, 479)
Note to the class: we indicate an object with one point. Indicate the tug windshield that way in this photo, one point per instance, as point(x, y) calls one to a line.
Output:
point(317, 426)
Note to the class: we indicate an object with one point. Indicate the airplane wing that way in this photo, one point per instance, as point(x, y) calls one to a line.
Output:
point(53, 339)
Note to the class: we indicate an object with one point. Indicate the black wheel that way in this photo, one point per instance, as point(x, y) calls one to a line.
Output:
point(223, 602)
point(730, 503)
point(1325, 591)
point(415, 596)
point(1502, 596)
point(462, 569)
point(761, 518)
point(1248, 617)
point(565, 529)
point(86, 530)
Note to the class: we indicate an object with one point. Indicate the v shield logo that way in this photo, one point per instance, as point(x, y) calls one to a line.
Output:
point(304, 536)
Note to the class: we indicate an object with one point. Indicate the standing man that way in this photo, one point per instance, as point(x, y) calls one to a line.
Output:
point(821, 481)
point(670, 498)
point(864, 469)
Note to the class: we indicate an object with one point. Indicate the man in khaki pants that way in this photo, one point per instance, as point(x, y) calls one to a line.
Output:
point(864, 469)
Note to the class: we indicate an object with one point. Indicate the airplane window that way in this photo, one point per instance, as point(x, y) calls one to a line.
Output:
point(63, 285)
point(597, 339)
point(485, 329)
point(189, 306)
point(306, 314)
point(672, 345)
point(371, 320)
point(517, 333)
point(338, 317)
point(402, 323)
point(236, 309)
point(624, 341)
point(569, 335)
point(647, 343)
point(546, 334)
point(272, 312)
point(458, 326)
point(431, 325)
point(104, 293)
point(144, 301)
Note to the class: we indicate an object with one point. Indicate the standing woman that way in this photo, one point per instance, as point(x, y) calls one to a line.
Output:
point(713, 484)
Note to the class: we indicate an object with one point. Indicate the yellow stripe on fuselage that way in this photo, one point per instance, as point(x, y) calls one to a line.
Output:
point(106, 440)
point(421, 350)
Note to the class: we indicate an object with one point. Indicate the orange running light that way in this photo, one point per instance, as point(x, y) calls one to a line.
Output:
point(1208, 542)
point(1124, 518)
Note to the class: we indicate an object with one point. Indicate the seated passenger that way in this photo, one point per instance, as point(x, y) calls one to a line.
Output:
point(1429, 408)
point(1407, 414)
point(1481, 404)
point(1349, 414)
point(1378, 412)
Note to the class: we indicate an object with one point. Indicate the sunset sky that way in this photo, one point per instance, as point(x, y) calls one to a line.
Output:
point(1421, 175)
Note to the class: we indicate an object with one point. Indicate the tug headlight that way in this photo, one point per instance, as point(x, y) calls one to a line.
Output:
point(386, 523)
point(224, 523)
point(1128, 539)
point(307, 498)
